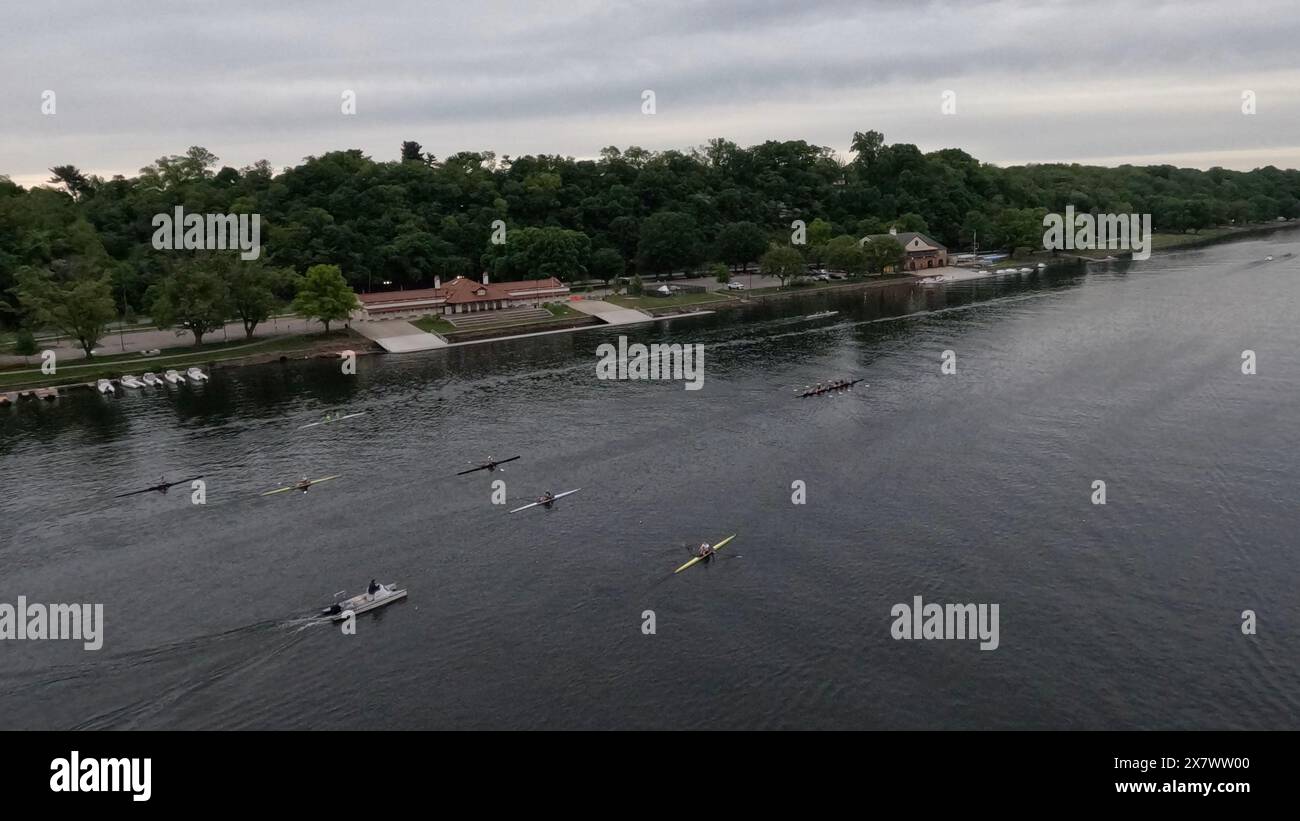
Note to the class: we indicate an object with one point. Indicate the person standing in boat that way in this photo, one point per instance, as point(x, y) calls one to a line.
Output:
point(373, 588)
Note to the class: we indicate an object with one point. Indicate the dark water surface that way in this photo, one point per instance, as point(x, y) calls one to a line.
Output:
point(972, 487)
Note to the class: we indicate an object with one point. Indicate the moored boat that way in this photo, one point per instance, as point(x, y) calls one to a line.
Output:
point(48, 394)
point(173, 378)
point(105, 387)
point(196, 375)
point(130, 381)
point(151, 379)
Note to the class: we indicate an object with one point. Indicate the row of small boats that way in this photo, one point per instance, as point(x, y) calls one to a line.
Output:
point(151, 380)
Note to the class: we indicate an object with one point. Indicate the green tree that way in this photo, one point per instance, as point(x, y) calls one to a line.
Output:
point(740, 243)
point(606, 265)
point(669, 242)
point(882, 254)
point(71, 178)
point(819, 233)
point(722, 273)
point(324, 295)
point(782, 262)
point(843, 253)
point(193, 297)
point(530, 253)
point(252, 286)
point(80, 306)
point(636, 287)
point(25, 344)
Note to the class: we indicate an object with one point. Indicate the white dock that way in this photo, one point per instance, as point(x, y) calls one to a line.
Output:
point(609, 313)
point(396, 336)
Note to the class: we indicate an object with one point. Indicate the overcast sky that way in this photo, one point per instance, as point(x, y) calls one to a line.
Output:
point(1099, 81)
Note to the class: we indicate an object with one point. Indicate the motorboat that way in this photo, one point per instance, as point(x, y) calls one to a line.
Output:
point(355, 606)
point(105, 387)
point(152, 380)
point(130, 381)
point(173, 378)
point(196, 375)
point(932, 280)
point(48, 394)
point(1026, 270)
point(1042, 265)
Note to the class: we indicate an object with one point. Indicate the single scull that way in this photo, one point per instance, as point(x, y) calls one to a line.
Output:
point(699, 559)
point(547, 500)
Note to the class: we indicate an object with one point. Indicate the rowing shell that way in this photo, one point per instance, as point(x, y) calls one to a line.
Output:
point(328, 421)
point(487, 466)
point(698, 559)
point(557, 496)
point(296, 487)
point(162, 488)
point(820, 391)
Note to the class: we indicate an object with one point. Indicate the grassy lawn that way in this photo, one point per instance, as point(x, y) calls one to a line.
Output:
point(434, 325)
point(560, 310)
point(438, 325)
point(812, 286)
point(652, 302)
point(178, 358)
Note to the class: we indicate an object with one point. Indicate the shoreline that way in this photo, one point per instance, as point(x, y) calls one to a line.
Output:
point(271, 349)
point(313, 346)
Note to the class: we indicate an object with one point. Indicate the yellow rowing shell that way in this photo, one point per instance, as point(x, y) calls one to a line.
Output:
point(698, 559)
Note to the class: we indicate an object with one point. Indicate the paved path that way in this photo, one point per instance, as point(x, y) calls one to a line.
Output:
point(135, 341)
point(396, 336)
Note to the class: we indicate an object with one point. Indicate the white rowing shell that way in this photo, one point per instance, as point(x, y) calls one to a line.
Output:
point(557, 496)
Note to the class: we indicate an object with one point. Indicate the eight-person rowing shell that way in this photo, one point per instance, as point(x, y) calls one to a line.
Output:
point(827, 387)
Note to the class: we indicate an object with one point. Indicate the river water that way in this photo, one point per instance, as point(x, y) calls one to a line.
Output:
point(973, 487)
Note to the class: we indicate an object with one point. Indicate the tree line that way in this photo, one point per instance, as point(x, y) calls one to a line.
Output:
point(399, 223)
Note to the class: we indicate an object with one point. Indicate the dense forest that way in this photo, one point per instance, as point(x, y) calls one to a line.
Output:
point(398, 223)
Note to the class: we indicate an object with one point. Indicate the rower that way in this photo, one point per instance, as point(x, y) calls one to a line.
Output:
point(304, 484)
point(547, 498)
point(706, 551)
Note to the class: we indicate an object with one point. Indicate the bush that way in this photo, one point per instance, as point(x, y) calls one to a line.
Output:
point(25, 343)
point(721, 273)
point(635, 287)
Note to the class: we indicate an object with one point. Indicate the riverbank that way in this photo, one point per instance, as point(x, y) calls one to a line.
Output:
point(309, 345)
point(271, 349)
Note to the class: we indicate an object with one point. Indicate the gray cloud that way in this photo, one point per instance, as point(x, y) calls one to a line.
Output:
point(1035, 81)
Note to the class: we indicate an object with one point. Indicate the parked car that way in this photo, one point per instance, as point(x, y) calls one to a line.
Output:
point(735, 286)
point(835, 275)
